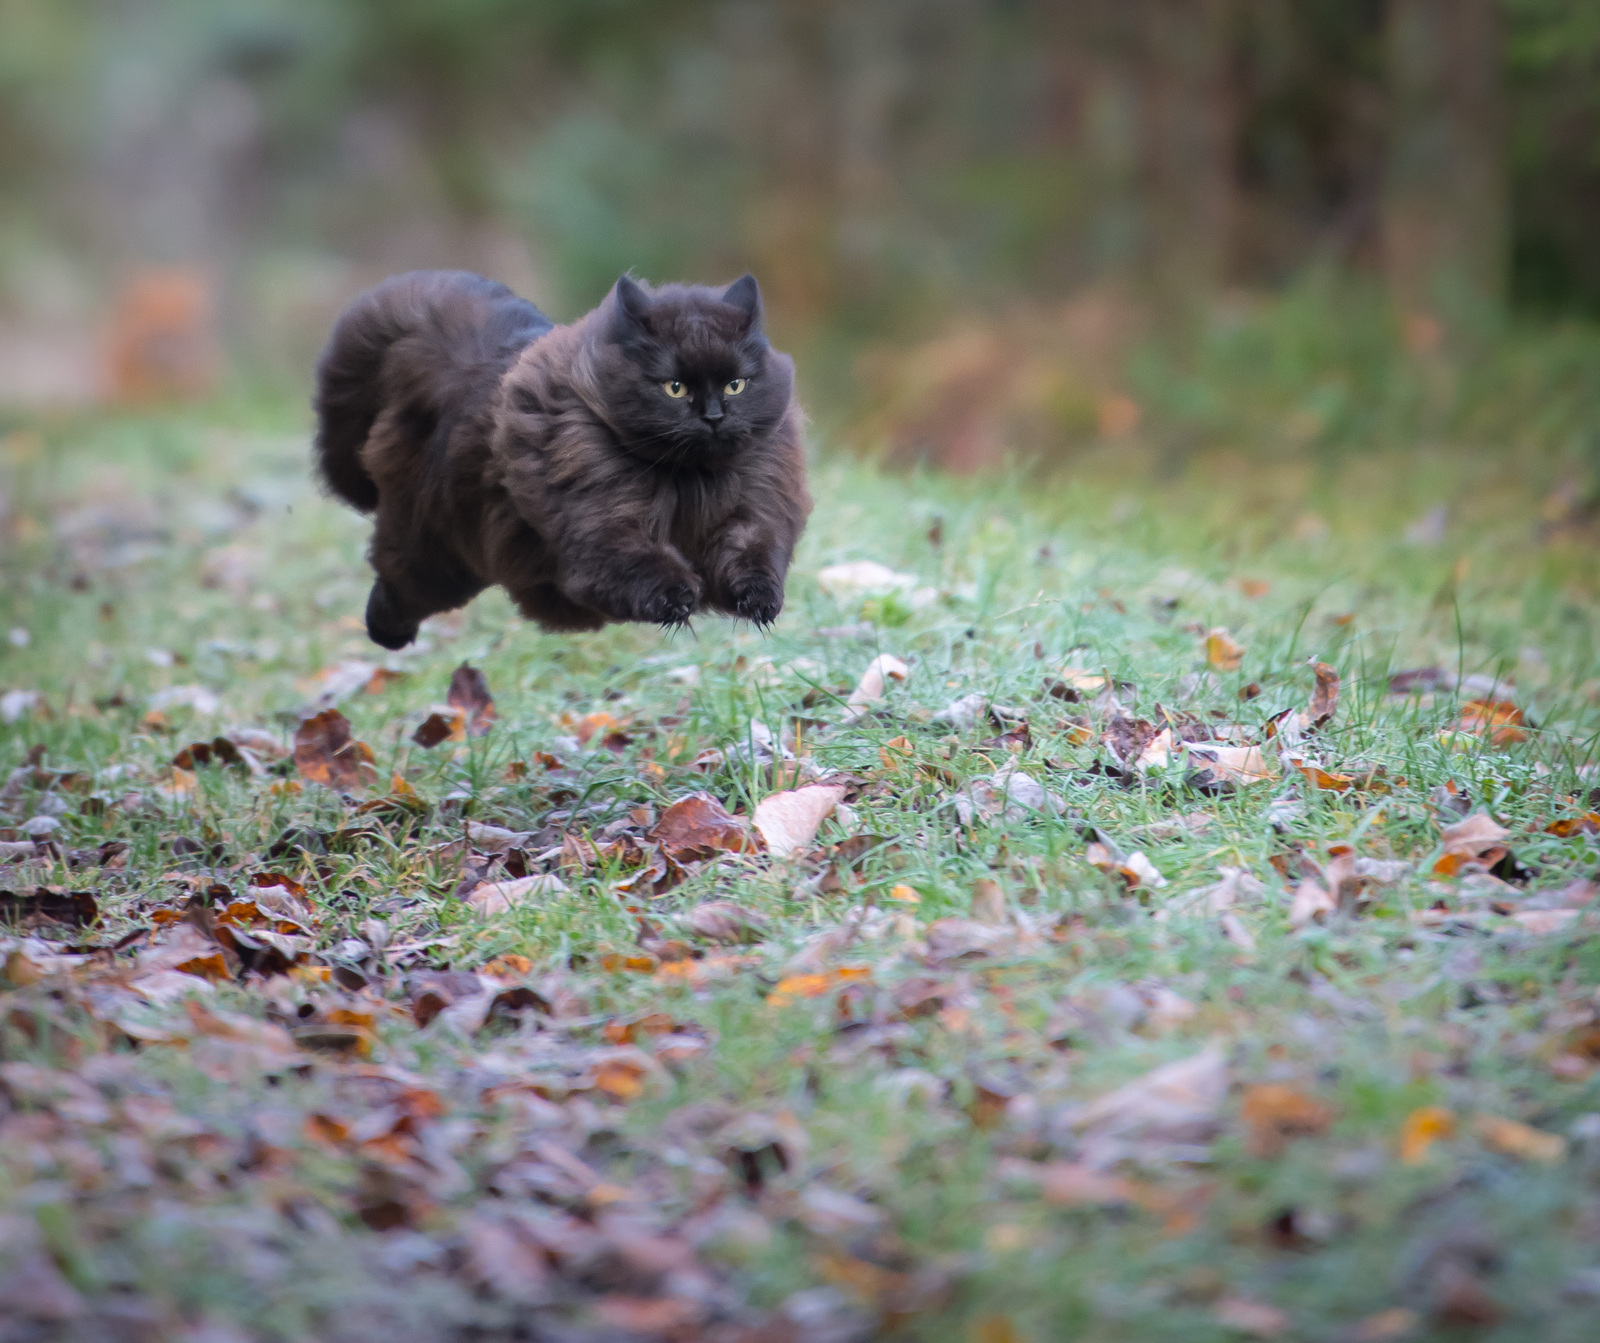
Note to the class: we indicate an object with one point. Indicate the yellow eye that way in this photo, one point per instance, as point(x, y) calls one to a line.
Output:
point(675, 389)
point(735, 387)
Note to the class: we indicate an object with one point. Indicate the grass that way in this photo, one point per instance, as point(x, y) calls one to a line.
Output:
point(243, 1161)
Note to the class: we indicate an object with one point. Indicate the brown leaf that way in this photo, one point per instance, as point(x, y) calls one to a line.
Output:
point(1497, 719)
point(1478, 837)
point(77, 908)
point(1568, 826)
point(325, 753)
point(1128, 737)
point(789, 821)
point(441, 725)
point(1255, 1318)
point(724, 921)
point(1222, 652)
point(469, 692)
point(497, 897)
point(1325, 697)
point(1512, 1138)
point(1312, 903)
point(500, 1260)
point(1073, 1185)
point(1273, 1113)
point(698, 827)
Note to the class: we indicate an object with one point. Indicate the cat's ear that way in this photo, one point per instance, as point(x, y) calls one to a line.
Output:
point(745, 295)
point(633, 307)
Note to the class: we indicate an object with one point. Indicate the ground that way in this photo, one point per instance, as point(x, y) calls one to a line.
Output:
point(1052, 1027)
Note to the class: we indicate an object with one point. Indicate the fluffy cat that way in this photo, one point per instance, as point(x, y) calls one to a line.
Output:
point(642, 463)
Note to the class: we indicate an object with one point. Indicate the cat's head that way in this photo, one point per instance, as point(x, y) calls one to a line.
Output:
point(685, 372)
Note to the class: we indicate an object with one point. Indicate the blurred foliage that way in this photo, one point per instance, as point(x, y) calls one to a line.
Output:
point(886, 166)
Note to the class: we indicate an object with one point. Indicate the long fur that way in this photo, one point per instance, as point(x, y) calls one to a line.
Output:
point(496, 448)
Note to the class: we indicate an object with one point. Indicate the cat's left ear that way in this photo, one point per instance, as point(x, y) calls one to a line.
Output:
point(745, 295)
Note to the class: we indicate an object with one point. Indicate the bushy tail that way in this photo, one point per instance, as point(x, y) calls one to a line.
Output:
point(441, 318)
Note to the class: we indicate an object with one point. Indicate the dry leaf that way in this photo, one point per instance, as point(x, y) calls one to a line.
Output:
point(1135, 869)
point(1222, 652)
point(788, 821)
point(1423, 1127)
point(724, 921)
point(816, 984)
point(1073, 1185)
point(699, 827)
point(1478, 838)
point(988, 901)
point(496, 897)
point(325, 753)
point(1325, 696)
point(1169, 1099)
point(1499, 720)
point(1255, 1318)
point(1273, 1113)
point(443, 723)
point(1312, 903)
point(873, 684)
point(1519, 1140)
point(1237, 764)
point(469, 692)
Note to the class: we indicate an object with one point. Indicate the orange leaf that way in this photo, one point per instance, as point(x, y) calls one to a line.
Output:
point(1222, 652)
point(325, 753)
point(1498, 719)
point(1274, 1113)
point(1423, 1127)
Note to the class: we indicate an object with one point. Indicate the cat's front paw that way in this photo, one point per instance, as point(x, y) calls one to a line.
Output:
point(670, 604)
point(758, 598)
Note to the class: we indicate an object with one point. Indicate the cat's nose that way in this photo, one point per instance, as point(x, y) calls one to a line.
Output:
point(712, 414)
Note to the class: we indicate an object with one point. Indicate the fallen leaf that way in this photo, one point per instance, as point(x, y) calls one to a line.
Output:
point(1324, 697)
point(443, 724)
point(1512, 1138)
point(816, 984)
point(325, 753)
point(1422, 1128)
point(469, 692)
point(1071, 1184)
point(1255, 1318)
point(874, 683)
point(1312, 902)
point(76, 908)
point(1134, 869)
point(1497, 719)
point(1168, 1100)
point(1222, 652)
point(698, 827)
point(1478, 837)
point(1385, 1325)
point(1567, 827)
point(1273, 1113)
point(788, 821)
point(497, 897)
point(988, 901)
point(905, 895)
point(1237, 764)
point(724, 921)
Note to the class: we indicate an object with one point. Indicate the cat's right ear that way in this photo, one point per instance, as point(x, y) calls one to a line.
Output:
point(631, 317)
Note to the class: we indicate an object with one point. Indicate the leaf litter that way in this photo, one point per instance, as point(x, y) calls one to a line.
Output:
point(583, 1027)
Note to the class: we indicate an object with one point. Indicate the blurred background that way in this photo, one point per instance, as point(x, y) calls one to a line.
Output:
point(990, 229)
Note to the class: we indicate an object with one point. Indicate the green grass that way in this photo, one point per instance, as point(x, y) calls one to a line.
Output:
point(176, 1182)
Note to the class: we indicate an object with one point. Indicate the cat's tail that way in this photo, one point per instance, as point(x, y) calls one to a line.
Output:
point(395, 347)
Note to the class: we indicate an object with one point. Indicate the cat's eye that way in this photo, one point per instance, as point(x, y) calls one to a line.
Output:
point(735, 387)
point(675, 389)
